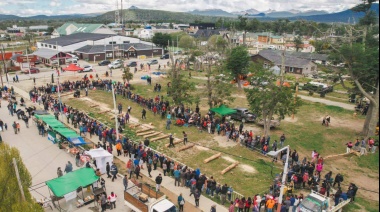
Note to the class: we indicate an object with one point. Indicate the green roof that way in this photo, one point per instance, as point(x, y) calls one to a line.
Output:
point(223, 110)
point(84, 28)
point(72, 181)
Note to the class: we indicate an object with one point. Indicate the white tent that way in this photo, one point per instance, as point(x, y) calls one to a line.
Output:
point(102, 157)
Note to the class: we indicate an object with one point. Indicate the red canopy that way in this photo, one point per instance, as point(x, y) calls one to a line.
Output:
point(73, 67)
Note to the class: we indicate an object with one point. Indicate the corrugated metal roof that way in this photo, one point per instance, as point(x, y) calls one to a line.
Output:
point(45, 53)
point(100, 48)
point(80, 28)
point(290, 60)
point(75, 38)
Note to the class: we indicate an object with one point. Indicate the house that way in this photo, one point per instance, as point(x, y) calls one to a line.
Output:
point(197, 26)
point(302, 48)
point(15, 29)
point(70, 43)
point(275, 39)
point(145, 34)
point(125, 50)
point(293, 64)
point(263, 37)
point(205, 33)
point(72, 28)
point(47, 56)
point(316, 58)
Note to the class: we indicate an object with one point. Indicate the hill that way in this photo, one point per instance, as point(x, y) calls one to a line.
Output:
point(143, 15)
point(216, 12)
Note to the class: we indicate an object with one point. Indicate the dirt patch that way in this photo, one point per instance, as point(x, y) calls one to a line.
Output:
point(222, 141)
point(202, 148)
point(355, 125)
point(243, 167)
point(290, 119)
point(360, 177)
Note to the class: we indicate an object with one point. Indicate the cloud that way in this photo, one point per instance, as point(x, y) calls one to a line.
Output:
point(33, 7)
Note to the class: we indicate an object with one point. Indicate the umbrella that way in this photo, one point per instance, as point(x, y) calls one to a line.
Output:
point(73, 67)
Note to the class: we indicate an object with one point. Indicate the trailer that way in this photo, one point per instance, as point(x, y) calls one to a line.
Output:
point(144, 198)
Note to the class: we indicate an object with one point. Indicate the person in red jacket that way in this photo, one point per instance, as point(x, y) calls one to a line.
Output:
point(112, 199)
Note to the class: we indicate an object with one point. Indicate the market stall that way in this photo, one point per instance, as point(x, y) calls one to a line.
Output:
point(223, 110)
point(71, 187)
point(101, 157)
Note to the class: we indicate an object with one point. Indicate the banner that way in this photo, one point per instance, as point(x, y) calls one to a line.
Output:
point(52, 136)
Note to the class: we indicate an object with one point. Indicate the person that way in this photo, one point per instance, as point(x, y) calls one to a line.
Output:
point(77, 159)
point(168, 123)
point(270, 204)
point(177, 175)
point(197, 196)
point(363, 147)
point(143, 112)
point(338, 179)
point(98, 173)
point(26, 120)
point(282, 140)
point(231, 208)
point(125, 182)
point(59, 172)
point(14, 125)
point(69, 167)
point(108, 169)
point(349, 147)
point(181, 202)
point(158, 182)
point(112, 200)
point(213, 208)
point(114, 171)
point(171, 141)
point(137, 172)
point(86, 90)
point(223, 194)
point(103, 202)
point(149, 167)
point(184, 137)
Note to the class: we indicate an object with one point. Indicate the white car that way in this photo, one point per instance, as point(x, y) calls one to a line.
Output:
point(114, 65)
point(86, 68)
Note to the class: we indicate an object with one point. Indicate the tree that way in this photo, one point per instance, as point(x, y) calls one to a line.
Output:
point(180, 87)
point(298, 41)
point(171, 26)
point(186, 42)
point(268, 99)
point(10, 199)
point(127, 75)
point(161, 40)
point(217, 43)
point(237, 63)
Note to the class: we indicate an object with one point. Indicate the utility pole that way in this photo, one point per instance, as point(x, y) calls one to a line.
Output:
point(5, 67)
point(115, 111)
point(18, 179)
point(282, 79)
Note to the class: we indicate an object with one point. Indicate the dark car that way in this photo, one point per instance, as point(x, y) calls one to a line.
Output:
point(165, 56)
point(32, 71)
point(132, 64)
point(104, 63)
point(242, 114)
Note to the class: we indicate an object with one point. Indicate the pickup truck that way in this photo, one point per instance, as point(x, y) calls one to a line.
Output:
point(316, 202)
point(143, 198)
point(242, 114)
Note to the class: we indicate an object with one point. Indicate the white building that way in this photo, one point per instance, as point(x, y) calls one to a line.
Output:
point(70, 43)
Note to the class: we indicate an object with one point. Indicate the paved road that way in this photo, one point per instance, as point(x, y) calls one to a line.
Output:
point(328, 102)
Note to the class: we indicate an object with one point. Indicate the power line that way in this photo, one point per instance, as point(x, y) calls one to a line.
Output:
point(47, 164)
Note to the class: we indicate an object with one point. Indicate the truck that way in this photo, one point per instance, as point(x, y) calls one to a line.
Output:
point(242, 114)
point(316, 202)
point(143, 198)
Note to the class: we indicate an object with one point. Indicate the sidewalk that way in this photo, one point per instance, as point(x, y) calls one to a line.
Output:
point(168, 182)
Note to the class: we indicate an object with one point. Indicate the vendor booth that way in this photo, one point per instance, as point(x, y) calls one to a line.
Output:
point(223, 110)
point(70, 187)
point(101, 157)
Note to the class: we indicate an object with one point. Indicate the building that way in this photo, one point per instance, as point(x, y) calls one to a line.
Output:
point(205, 33)
point(70, 43)
point(15, 29)
point(293, 64)
point(302, 48)
point(275, 39)
point(39, 28)
point(316, 58)
point(126, 50)
point(197, 26)
point(72, 28)
point(47, 56)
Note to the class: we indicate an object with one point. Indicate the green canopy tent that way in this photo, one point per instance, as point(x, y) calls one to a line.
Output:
point(223, 110)
point(42, 117)
point(72, 181)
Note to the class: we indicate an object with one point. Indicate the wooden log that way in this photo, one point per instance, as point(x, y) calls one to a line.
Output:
point(145, 133)
point(151, 135)
point(106, 111)
point(186, 147)
point(142, 130)
point(212, 158)
point(178, 141)
point(229, 168)
point(159, 138)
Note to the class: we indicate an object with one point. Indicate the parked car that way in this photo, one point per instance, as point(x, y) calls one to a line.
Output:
point(178, 52)
point(86, 68)
point(114, 65)
point(132, 64)
point(152, 62)
point(32, 71)
point(242, 114)
point(118, 61)
point(104, 63)
point(73, 56)
point(72, 60)
point(165, 56)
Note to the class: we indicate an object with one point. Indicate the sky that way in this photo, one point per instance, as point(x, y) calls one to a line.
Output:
point(62, 7)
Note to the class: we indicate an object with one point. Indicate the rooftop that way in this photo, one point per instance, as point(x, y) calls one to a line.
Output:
point(75, 38)
point(290, 60)
point(89, 49)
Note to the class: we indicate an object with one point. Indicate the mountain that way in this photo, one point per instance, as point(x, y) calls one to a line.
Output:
point(247, 12)
point(212, 12)
point(294, 13)
point(133, 8)
point(343, 16)
point(8, 17)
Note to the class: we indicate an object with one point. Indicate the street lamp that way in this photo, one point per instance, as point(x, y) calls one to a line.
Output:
point(284, 174)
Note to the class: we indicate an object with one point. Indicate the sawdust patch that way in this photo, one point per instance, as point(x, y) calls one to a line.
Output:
point(243, 167)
